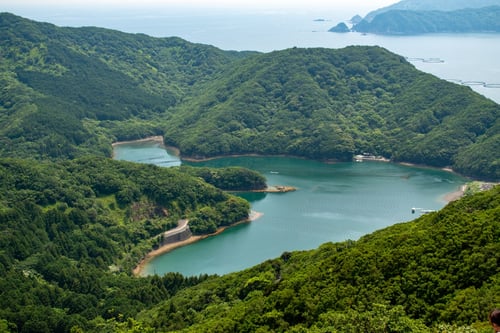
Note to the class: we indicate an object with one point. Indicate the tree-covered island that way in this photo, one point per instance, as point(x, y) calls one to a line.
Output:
point(414, 17)
point(412, 22)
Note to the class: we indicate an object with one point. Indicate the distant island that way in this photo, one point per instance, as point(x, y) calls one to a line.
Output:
point(410, 22)
point(341, 27)
point(411, 17)
point(432, 5)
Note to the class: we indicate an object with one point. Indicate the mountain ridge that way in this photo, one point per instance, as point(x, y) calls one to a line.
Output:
point(413, 22)
point(69, 92)
point(336, 104)
point(431, 5)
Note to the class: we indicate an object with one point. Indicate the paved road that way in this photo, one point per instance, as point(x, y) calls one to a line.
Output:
point(182, 225)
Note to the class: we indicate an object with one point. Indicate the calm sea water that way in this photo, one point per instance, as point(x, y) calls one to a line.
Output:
point(469, 58)
point(333, 202)
point(150, 152)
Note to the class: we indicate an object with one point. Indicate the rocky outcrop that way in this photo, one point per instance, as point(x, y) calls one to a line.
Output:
point(341, 27)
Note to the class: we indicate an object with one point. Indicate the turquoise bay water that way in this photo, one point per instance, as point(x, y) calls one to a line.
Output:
point(333, 202)
point(151, 152)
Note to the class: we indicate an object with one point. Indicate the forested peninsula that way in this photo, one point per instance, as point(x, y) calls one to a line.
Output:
point(411, 22)
point(412, 17)
point(74, 222)
point(431, 5)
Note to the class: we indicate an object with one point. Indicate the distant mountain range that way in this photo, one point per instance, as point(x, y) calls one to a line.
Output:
point(419, 17)
point(411, 22)
point(431, 5)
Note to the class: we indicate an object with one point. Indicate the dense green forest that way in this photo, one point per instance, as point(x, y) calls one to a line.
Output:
point(68, 92)
point(332, 104)
point(128, 203)
point(410, 22)
point(71, 232)
point(230, 178)
point(74, 222)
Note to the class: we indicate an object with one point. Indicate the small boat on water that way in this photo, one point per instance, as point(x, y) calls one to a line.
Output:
point(422, 211)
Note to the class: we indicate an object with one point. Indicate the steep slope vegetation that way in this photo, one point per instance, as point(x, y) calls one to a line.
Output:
point(68, 91)
point(441, 268)
point(332, 104)
point(71, 232)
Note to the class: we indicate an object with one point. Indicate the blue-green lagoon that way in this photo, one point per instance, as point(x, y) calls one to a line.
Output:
point(333, 202)
point(146, 151)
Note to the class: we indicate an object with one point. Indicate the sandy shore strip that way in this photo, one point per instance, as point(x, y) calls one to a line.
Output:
point(422, 166)
point(156, 138)
point(452, 196)
point(139, 269)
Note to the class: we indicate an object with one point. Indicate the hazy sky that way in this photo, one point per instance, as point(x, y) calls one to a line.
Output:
point(228, 24)
point(254, 4)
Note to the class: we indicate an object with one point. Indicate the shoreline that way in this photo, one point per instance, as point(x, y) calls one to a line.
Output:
point(159, 138)
point(205, 159)
point(275, 189)
point(138, 271)
point(455, 195)
point(423, 166)
point(447, 197)
point(156, 138)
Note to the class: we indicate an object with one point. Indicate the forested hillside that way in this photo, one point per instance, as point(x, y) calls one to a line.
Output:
point(69, 92)
point(71, 232)
point(332, 104)
point(72, 91)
